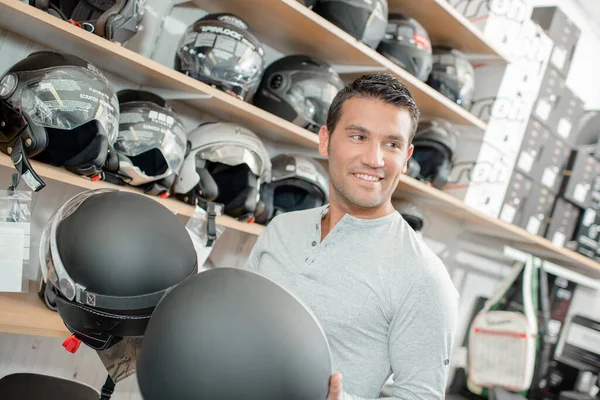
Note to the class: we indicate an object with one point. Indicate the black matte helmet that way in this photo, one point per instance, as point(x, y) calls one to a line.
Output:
point(411, 214)
point(297, 183)
point(452, 76)
point(115, 20)
point(407, 44)
point(110, 257)
point(220, 50)
point(230, 333)
point(366, 20)
point(59, 109)
point(299, 89)
point(435, 144)
point(152, 141)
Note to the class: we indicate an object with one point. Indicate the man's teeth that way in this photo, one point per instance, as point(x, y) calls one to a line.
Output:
point(367, 177)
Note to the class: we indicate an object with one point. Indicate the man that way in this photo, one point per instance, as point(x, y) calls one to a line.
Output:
point(384, 299)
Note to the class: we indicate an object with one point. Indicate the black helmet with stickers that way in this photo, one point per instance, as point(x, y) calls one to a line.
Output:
point(366, 20)
point(299, 89)
point(435, 143)
point(452, 76)
point(220, 50)
point(115, 20)
point(297, 183)
point(59, 109)
point(152, 142)
point(407, 44)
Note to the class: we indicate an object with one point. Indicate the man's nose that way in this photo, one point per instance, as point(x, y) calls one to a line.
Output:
point(373, 156)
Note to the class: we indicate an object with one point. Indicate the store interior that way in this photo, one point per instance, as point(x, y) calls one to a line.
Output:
point(507, 196)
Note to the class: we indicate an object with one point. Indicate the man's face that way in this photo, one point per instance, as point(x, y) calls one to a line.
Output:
point(368, 151)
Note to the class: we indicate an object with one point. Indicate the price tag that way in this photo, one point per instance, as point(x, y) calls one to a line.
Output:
point(508, 213)
point(533, 225)
point(525, 162)
point(12, 243)
point(559, 56)
point(543, 109)
point(558, 239)
point(549, 177)
point(564, 128)
point(580, 192)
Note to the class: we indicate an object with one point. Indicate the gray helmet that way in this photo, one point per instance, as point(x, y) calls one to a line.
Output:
point(298, 183)
point(230, 333)
point(226, 164)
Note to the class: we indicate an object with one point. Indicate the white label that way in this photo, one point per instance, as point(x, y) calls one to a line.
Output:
point(558, 239)
point(588, 217)
point(564, 128)
point(30, 180)
point(549, 177)
point(543, 109)
point(508, 213)
point(525, 161)
point(580, 192)
point(559, 56)
point(12, 242)
point(533, 225)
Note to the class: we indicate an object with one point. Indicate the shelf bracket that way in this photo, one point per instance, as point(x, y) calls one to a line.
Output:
point(171, 94)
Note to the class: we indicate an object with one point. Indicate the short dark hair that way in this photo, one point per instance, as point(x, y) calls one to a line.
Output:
point(382, 87)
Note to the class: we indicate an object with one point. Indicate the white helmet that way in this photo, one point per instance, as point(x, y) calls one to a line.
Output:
point(226, 164)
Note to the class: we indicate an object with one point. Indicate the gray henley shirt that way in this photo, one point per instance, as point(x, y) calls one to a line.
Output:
point(384, 299)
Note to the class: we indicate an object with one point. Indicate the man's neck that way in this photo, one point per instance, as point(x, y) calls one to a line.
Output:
point(338, 209)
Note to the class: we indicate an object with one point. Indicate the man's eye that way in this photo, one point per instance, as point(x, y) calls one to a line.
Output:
point(358, 137)
point(394, 145)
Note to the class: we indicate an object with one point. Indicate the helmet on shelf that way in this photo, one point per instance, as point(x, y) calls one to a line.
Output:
point(297, 183)
point(152, 142)
point(407, 44)
point(226, 164)
point(299, 89)
point(220, 50)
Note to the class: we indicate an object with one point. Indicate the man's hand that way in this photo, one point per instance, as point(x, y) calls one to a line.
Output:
point(335, 387)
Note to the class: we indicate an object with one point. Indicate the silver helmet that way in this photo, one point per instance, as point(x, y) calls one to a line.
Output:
point(226, 164)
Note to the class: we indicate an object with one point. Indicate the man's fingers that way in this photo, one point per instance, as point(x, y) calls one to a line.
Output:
point(335, 387)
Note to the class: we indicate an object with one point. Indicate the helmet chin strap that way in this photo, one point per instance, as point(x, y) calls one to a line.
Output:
point(24, 169)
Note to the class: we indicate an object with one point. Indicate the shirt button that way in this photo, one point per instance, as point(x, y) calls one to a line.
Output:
point(314, 243)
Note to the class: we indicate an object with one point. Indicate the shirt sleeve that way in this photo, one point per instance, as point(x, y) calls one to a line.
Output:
point(421, 340)
point(258, 249)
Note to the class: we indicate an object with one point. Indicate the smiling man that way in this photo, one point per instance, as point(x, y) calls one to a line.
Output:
point(384, 299)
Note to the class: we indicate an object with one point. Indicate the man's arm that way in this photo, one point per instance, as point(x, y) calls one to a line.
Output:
point(421, 341)
point(259, 247)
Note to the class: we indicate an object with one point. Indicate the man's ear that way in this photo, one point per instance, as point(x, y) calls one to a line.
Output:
point(409, 154)
point(324, 141)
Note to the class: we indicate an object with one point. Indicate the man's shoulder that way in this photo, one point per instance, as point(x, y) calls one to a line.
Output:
point(295, 220)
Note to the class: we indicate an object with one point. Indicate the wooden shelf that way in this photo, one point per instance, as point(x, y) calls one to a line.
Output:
point(291, 28)
point(59, 35)
point(507, 234)
point(447, 27)
point(62, 175)
point(26, 314)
